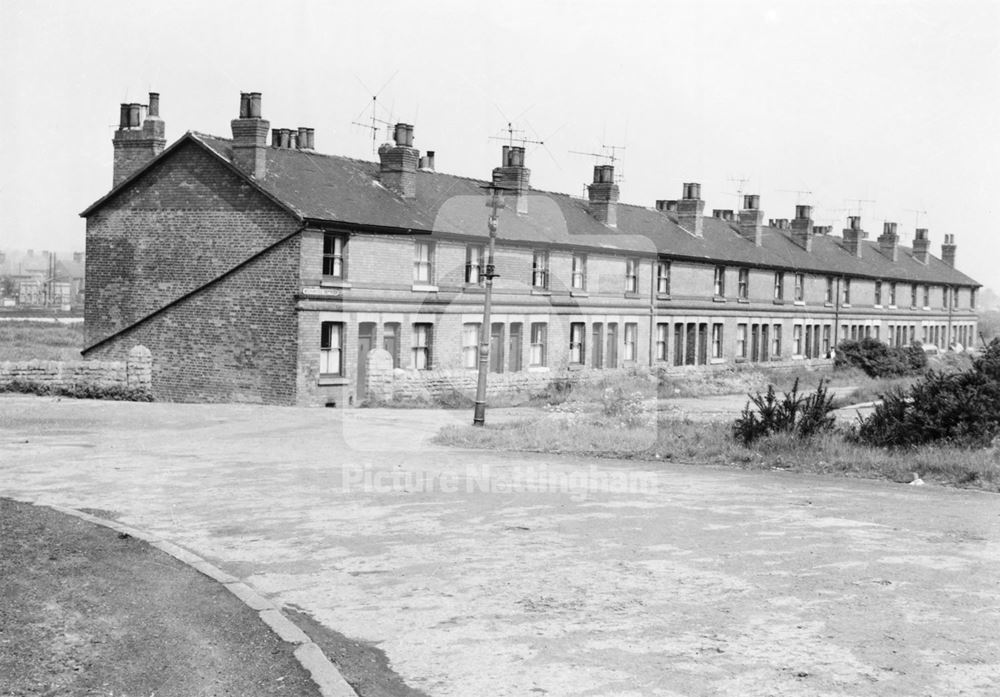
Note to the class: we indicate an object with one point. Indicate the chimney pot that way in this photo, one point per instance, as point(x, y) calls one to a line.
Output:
point(276, 137)
point(303, 140)
point(244, 105)
point(751, 202)
point(134, 116)
point(692, 191)
point(123, 116)
point(430, 159)
point(293, 139)
point(154, 105)
point(803, 212)
point(255, 100)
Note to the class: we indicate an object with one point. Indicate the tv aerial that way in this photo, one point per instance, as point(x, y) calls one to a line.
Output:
point(374, 123)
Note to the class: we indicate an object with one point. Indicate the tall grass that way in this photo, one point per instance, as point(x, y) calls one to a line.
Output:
point(591, 434)
point(45, 341)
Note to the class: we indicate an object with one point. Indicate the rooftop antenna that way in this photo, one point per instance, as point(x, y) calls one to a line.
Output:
point(608, 153)
point(511, 137)
point(798, 192)
point(741, 183)
point(375, 123)
point(859, 201)
point(916, 221)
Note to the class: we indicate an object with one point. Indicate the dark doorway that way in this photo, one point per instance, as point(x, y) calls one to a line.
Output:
point(514, 353)
point(366, 342)
point(597, 353)
point(496, 348)
point(390, 341)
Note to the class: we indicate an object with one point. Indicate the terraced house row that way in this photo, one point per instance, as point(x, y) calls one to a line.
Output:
point(257, 269)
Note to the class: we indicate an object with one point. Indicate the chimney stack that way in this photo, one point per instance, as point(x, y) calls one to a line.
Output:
point(250, 136)
point(690, 209)
point(921, 246)
point(305, 140)
point(136, 142)
point(513, 176)
point(948, 250)
point(398, 169)
point(666, 205)
point(853, 235)
point(427, 161)
point(603, 195)
point(752, 220)
point(802, 227)
point(888, 241)
point(723, 214)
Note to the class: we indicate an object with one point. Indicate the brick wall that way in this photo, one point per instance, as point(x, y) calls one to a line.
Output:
point(183, 223)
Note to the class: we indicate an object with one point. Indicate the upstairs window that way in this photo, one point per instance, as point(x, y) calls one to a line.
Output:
point(474, 264)
point(828, 298)
point(719, 283)
point(423, 256)
point(631, 341)
point(913, 295)
point(779, 285)
point(331, 355)
point(800, 287)
point(333, 255)
point(540, 270)
point(743, 284)
point(579, 277)
point(892, 293)
point(663, 278)
point(878, 293)
point(846, 292)
point(927, 296)
point(631, 275)
point(972, 300)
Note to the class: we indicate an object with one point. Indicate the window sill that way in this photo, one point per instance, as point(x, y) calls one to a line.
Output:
point(424, 288)
point(325, 380)
point(847, 305)
point(334, 283)
point(474, 288)
point(877, 306)
point(927, 308)
point(538, 369)
point(743, 300)
point(798, 358)
point(576, 366)
point(718, 299)
point(800, 303)
point(893, 307)
point(663, 296)
point(779, 301)
point(632, 294)
point(540, 291)
point(716, 361)
point(578, 293)
point(828, 304)
point(740, 360)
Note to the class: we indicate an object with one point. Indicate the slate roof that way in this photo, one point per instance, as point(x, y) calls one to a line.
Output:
point(341, 190)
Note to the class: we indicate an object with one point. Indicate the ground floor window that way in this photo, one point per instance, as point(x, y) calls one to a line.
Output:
point(470, 344)
point(331, 354)
point(577, 352)
point(797, 340)
point(716, 341)
point(539, 336)
point(662, 337)
point(741, 341)
point(612, 352)
point(776, 338)
point(421, 350)
point(631, 339)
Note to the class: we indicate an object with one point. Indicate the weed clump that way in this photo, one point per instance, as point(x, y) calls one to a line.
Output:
point(796, 414)
point(79, 390)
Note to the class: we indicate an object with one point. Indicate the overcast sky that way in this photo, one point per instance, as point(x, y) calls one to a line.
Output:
point(894, 102)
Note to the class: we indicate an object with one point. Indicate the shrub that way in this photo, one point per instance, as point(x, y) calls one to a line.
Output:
point(801, 415)
point(79, 390)
point(624, 405)
point(878, 360)
point(960, 408)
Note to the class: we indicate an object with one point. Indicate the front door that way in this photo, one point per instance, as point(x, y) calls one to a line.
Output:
point(514, 354)
point(366, 342)
point(496, 348)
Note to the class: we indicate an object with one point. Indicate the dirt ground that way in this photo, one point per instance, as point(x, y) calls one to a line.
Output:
point(479, 573)
point(85, 611)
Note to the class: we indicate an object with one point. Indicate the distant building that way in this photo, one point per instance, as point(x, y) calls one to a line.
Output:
point(268, 272)
point(42, 279)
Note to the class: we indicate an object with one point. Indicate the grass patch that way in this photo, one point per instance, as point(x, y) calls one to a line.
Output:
point(590, 433)
point(44, 341)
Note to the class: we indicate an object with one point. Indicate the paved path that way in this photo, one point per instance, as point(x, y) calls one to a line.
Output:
point(677, 580)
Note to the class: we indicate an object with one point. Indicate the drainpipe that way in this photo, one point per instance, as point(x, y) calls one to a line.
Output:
point(836, 315)
point(951, 303)
point(652, 311)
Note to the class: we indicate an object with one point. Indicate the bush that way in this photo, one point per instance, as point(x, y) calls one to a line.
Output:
point(878, 360)
point(78, 390)
point(624, 405)
point(961, 409)
point(801, 415)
